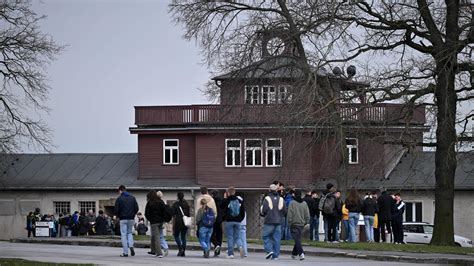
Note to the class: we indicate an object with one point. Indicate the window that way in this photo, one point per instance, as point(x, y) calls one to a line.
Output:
point(232, 152)
point(63, 207)
point(85, 206)
point(283, 95)
point(252, 95)
point(253, 152)
point(268, 94)
point(352, 150)
point(413, 212)
point(171, 151)
point(273, 152)
point(428, 229)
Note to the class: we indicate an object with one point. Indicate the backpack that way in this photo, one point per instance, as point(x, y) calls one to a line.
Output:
point(329, 206)
point(234, 207)
point(321, 202)
point(208, 218)
point(167, 214)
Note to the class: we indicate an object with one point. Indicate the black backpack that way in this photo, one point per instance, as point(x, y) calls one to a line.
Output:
point(168, 213)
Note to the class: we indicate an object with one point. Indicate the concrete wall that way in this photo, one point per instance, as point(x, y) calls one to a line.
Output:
point(463, 209)
point(13, 221)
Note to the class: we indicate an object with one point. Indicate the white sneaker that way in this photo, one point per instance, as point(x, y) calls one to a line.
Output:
point(302, 256)
point(230, 256)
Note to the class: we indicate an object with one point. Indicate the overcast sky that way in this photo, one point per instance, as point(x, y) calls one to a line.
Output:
point(120, 54)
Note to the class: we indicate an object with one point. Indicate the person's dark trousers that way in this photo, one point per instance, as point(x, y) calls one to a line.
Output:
point(217, 233)
point(296, 232)
point(326, 228)
point(180, 237)
point(314, 228)
point(385, 225)
point(332, 223)
point(376, 235)
point(397, 225)
point(30, 232)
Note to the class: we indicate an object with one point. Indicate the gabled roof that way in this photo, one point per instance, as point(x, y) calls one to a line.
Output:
point(78, 172)
point(417, 171)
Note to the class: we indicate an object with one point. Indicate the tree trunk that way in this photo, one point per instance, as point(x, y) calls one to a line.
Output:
point(445, 157)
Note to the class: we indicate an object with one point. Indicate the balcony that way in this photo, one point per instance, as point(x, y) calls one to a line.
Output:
point(189, 115)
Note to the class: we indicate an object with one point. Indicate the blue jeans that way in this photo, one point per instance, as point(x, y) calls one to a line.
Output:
point(126, 228)
point(243, 238)
point(205, 237)
point(232, 230)
point(163, 243)
point(345, 225)
point(180, 237)
point(353, 220)
point(369, 227)
point(314, 228)
point(271, 236)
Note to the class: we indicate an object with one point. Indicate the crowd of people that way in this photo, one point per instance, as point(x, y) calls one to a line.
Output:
point(287, 213)
point(81, 224)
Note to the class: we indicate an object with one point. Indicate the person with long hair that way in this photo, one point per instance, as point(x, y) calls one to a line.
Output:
point(154, 213)
point(180, 208)
point(205, 219)
point(354, 205)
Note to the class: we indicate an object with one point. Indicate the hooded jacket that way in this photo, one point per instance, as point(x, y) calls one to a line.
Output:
point(273, 208)
point(126, 206)
point(298, 213)
point(155, 211)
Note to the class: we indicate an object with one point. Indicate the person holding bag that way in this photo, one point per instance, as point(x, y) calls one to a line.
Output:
point(182, 221)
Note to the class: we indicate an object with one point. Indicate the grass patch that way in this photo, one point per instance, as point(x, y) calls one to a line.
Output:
point(415, 248)
point(8, 261)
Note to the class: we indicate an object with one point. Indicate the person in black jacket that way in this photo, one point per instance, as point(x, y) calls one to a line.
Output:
point(101, 224)
point(369, 208)
point(397, 219)
point(126, 207)
point(217, 233)
point(180, 208)
point(310, 199)
point(154, 213)
point(233, 215)
point(385, 204)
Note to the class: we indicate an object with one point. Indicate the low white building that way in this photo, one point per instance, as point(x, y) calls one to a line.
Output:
point(64, 183)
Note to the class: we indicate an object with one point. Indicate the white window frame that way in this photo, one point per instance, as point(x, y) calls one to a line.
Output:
point(267, 148)
point(233, 149)
point(252, 100)
point(413, 210)
point(171, 148)
point(86, 209)
point(253, 149)
point(349, 148)
point(61, 202)
point(271, 96)
point(287, 98)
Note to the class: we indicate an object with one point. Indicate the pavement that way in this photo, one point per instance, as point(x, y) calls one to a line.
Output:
point(110, 256)
point(386, 256)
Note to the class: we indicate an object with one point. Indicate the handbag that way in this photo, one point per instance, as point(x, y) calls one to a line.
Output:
point(188, 222)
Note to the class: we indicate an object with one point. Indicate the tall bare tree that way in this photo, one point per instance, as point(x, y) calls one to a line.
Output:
point(25, 52)
point(424, 48)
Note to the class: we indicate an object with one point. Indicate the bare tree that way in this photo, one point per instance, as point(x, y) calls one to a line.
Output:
point(24, 54)
point(424, 49)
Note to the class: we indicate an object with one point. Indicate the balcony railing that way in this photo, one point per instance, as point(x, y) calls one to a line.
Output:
point(181, 115)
